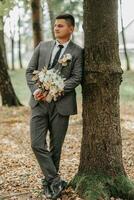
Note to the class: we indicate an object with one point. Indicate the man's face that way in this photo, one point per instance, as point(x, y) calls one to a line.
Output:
point(62, 29)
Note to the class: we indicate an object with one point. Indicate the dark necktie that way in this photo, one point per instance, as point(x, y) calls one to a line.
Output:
point(57, 56)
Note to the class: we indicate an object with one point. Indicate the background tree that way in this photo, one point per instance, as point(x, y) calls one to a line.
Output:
point(19, 34)
point(6, 89)
point(12, 34)
point(37, 34)
point(51, 15)
point(124, 39)
point(19, 43)
point(3, 12)
point(101, 172)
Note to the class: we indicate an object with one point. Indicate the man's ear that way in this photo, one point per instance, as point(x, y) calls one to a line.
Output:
point(71, 29)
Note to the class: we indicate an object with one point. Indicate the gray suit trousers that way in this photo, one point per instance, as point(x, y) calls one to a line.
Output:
point(45, 117)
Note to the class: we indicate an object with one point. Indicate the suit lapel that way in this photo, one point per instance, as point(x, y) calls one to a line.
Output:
point(49, 52)
point(69, 49)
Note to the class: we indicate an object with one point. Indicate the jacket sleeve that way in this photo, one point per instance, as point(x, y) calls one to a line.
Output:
point(33, 65)
point(76, 74)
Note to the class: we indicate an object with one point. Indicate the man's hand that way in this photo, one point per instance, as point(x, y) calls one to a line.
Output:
point(39, 95)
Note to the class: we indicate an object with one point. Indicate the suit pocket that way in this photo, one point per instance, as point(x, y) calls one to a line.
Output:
point(66, 70)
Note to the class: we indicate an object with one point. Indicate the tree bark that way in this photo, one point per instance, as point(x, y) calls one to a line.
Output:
point(124, 39)
point(101, 143)
point(12, 52)
point(3, 42)
point(12, 32)
point(37, 34)
point(51, 14)
point(101, 173)
point(6, 89)
point(19, 44)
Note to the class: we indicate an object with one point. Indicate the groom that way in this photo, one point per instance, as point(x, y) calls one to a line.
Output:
point(54, 116)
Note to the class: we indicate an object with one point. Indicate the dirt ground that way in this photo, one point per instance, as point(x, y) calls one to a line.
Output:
point(20, 175)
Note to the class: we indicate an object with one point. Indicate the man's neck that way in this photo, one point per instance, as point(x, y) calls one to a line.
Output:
point(62, 41)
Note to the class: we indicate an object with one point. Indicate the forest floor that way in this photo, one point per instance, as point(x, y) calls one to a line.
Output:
point(20, 175)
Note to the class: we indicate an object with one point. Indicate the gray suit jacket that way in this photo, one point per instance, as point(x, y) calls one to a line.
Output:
point(66, 105)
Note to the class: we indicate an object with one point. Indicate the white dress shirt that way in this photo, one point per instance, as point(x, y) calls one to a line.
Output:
point(56, 48)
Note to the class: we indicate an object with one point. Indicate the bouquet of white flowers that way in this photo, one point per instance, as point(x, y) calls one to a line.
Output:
point(50, 82)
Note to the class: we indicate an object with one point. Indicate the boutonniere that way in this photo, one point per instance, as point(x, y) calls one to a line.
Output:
point(66, 57)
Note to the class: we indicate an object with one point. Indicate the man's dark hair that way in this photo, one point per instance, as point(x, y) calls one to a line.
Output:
point(69, 18)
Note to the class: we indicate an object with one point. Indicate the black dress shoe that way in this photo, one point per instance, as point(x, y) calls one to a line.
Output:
point(57, 188)
point(46, 189)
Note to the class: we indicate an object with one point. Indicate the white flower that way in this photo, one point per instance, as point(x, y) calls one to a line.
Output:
point(66, 57)
point(69, 56)
point(51, 81)
point(41, 76)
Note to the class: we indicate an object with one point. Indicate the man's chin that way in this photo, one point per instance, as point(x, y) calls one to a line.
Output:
point(58, 36)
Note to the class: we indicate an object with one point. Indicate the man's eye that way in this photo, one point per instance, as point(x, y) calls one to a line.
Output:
point(59, 26)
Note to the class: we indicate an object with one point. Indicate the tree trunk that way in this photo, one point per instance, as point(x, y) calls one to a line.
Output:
point(51, 14)
point(12, 33)
point(124, 40)
point(12, 52)
point(19, 44)
point(6, 89)
point(37, 34)
point(101, 117)
point(3, 42)
point(101, 149)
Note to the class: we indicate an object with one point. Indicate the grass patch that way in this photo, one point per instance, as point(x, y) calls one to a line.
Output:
point(127, 87)
point(99, 186)
point(19, 83)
